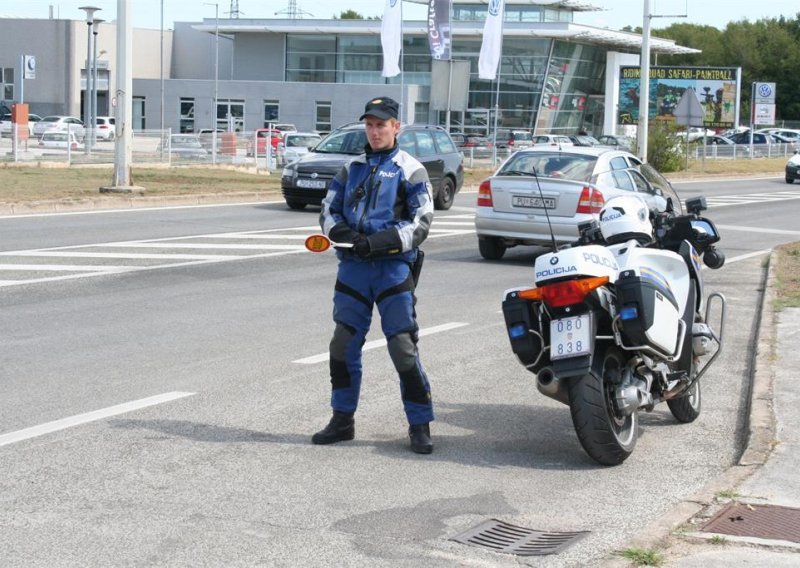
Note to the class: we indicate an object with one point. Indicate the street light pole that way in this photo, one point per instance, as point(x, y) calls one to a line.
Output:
point(216, 82)
point(87, 102)
point(644, 84)
point(95, 31)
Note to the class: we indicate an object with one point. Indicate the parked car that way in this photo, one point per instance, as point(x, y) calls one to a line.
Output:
point(793, 168)
point(296, 145)
point(106, 128)
point(56, 123)
point(306, 181)
point(186, 146)
point(206, 137)
point(5, 123)
point(513, 139)
point(570, 184)
point(719, 147)
point(554, 140)
point(285, 127)
point(477, 147)
point(758, 138)
point(59, 139)
point(584, 140)
point(261, 135)
point(619, 142)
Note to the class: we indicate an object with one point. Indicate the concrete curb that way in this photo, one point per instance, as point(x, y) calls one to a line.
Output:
point(700, 506)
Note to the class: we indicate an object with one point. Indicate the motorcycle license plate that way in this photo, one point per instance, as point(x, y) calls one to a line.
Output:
point(571, 337)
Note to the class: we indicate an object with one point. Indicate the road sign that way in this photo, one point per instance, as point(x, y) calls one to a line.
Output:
point(764, 114)
point(764, 93)
point(689, 111)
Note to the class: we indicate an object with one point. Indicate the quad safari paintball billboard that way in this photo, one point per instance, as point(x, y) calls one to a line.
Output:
point(717, 89)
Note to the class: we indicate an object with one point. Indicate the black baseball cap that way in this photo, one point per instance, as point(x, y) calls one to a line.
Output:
point(381, 107)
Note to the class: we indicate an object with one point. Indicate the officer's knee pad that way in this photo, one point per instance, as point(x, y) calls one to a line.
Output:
point(403, 351)
point(342, 335)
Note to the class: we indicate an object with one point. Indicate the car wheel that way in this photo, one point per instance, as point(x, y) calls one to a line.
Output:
point(296, 205)
point(789, 179)
point(447, 192)
point(491, 248)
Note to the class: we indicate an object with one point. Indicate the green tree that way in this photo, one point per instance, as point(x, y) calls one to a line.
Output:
point(348, 15)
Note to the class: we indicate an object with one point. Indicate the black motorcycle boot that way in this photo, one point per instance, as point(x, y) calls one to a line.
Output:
point(341, 428)
point(420, 435)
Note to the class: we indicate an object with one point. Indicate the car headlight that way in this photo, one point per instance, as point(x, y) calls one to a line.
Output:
point(288, 171)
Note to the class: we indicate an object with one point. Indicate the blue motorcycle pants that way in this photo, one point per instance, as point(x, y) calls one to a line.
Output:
point(359, 286)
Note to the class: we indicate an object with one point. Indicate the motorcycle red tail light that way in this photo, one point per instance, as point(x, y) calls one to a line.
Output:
point(485, 194)
point(567, 293)
point(591, 201)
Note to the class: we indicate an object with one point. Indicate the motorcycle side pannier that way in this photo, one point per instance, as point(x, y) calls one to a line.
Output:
point(648, 310)
point(520, 322)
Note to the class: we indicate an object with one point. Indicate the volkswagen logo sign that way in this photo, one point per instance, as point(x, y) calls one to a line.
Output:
point(554, 260)
point(494, 7)
point(392, 3)
point(314, 175)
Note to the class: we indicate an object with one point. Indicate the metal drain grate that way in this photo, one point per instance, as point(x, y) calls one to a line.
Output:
point(510, 539)
point(760, 521)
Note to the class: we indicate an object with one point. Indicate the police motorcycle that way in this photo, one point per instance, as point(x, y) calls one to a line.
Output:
point(618, 322)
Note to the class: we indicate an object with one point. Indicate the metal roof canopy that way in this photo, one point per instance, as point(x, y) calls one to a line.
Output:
point(549, 30)
point(573, 5)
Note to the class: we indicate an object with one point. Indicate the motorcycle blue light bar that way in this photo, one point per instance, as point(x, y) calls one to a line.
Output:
point(517, 331)
point(628, 313)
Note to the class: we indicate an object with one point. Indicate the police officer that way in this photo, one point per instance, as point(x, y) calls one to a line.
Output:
point(381, 203)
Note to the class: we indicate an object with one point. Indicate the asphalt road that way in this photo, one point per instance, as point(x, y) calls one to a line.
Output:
point(157, 410)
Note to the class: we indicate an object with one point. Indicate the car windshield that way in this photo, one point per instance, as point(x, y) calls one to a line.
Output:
point(522, 136)
point(50, 119)
point(556, 165)
point(302, 141)
point(343, 142)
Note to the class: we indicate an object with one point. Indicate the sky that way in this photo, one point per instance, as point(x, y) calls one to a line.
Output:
point(615, 14)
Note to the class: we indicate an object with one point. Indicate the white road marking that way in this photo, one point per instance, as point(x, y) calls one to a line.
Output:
point(757, 230)
point(382, 342)
point(746, 256)
point(65, 268)
point(64, 423)
point(137, 209)
point(204, 246)
point(128, 255)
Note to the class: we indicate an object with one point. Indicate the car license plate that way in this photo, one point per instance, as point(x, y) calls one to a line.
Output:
point(571, 337)
point(311, 183)
point(533, 202)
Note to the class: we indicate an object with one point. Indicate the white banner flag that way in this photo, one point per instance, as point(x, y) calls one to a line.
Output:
point(492, 44)
point(392, 37)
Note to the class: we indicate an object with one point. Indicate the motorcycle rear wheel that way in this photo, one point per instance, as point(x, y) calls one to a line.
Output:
point(606, 435)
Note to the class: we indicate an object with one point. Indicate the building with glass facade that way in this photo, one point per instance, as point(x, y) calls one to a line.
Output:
point(554, 75)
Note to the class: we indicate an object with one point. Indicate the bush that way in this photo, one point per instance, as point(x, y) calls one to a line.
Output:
point(664, 153)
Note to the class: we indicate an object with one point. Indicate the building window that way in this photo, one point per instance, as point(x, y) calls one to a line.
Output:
point(421, 111)
point(323, 116)
point(311, 58)
point(230, 115)
point(271, 112)
point(187, 115)
point(7, 81)
point(138, 113)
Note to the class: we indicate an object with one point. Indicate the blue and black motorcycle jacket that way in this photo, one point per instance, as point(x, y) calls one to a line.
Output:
point(384, 195)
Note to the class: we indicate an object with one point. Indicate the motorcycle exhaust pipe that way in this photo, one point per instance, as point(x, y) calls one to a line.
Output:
point(549, 385)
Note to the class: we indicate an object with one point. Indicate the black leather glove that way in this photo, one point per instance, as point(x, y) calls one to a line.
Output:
point(361, 247)
point(342, 233)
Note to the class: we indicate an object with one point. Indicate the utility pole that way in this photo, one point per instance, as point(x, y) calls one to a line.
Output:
point(644, 84)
